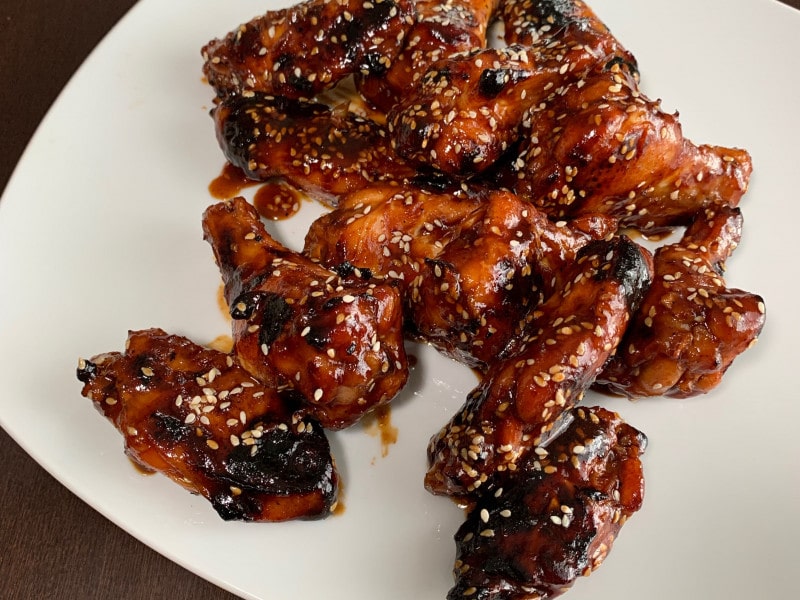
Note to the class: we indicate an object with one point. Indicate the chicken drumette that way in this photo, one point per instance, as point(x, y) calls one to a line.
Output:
point(690, 326)
point(198, 417)
point(335, 337)
point(556, 517)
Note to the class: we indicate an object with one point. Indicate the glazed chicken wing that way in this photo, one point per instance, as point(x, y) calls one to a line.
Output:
point(297, 52)
point(690, 326)
point(556, 517)
point(323, 151)
point(600, 146)
point(337, 340)
point(441, 29)
point(198, 417)
point(472, 264)
point(566, 344)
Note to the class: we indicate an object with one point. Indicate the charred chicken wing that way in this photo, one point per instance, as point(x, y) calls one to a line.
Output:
point(299, 51)
point(690, 326)
point(337, 339)
point(556, 517)
point(568, 340)
point(198, 417)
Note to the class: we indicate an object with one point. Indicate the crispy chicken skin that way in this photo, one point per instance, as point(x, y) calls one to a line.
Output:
point(198, 417)
point(300, 51)
point(337, 339)
point(323, 151)
point(556, 517)
point(441, 29)
point(690, 326)
point(566, 344)
point(471, 264)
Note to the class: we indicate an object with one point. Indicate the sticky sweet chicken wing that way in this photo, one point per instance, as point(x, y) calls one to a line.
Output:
point(690, 326)
point(556, 517)
point(335, 338)
point(198, 417)
point(522, 397)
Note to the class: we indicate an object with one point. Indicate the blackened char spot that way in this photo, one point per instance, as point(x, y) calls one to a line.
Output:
point(245, 305)
point(373, 64)
point(631, 67)
point(285, 462)
point(346, 269)
point(168, 428)
point(627, 266)
point(433, 181)
point(492, 82)
point(235, 508)
point(632, 271)
point(275, 313)
point(86, 371)
point(317, 337)
point(557, 13)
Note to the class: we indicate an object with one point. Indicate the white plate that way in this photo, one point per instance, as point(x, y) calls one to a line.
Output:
point(100, 232)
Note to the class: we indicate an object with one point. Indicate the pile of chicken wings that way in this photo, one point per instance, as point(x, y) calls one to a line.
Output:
point(483, 199)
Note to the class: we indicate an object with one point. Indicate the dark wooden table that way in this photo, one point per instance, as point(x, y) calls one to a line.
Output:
point(52, 545)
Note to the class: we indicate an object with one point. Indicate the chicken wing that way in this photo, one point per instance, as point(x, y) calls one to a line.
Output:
point(441, 29)
point(472, 264)
point(323, 151)
point(566, 344)
point(199, 418)
point(337, 339)
point(600, 146)
point(300, 51)
point(556, 517)
point(690, 326)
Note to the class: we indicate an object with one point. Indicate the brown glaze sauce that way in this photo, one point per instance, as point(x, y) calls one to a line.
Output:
point(379, 423)
point(229, 183)
point(222, 303)
point(277, 199)
point(222, 343)
point(339, 508)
